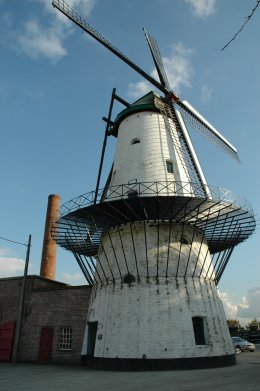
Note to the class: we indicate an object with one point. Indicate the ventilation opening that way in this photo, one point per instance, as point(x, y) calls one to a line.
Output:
point(132, 194)
point(135, 141)
point(128, 279)
point(199, 330)
point(169, 166)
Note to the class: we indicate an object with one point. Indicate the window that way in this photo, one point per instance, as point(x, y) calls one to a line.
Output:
point(65, 338)
point(135, 141)
point(169, 166)
point(198, 328)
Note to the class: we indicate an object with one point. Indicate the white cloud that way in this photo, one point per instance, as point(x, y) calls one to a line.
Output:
point(202, 8)
point(4, 251)
point(229, 307)
point(43, 39)
point(74, 279)
point(244, 303)
point(250, 305)
point(37, 41)
point(178, 69)
point(10, 267)
point(84, 6)
point(137, 90)
point(244, 311)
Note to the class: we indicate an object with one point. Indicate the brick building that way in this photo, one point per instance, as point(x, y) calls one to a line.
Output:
point(53, 322)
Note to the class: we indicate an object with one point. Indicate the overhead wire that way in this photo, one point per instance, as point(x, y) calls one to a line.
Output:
point(13, 241)
point(246, 21)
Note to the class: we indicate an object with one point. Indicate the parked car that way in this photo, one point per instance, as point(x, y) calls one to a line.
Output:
point(241, 344)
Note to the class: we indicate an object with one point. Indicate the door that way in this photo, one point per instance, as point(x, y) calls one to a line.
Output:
point(45, 348)
point(92, 333)
point(7, 332)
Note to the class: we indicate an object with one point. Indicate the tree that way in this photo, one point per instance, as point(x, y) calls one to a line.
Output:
point(233, 323)
point(253, 323)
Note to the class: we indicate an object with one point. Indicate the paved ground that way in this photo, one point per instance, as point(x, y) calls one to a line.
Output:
point(244, 376)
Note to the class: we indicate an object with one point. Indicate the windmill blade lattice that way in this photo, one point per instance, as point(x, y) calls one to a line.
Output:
point(186, 159)
point(191, 116)
point(154, 48)
point(197, 122)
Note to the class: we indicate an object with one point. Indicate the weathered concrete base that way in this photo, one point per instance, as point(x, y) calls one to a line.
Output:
point(126, 364)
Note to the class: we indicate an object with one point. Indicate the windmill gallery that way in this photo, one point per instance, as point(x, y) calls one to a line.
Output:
point(154, 243)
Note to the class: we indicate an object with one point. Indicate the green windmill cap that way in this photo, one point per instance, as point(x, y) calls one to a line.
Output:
point(146, 103)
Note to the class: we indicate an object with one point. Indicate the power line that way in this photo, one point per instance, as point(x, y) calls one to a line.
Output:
point(12, 241)
point(246, 21)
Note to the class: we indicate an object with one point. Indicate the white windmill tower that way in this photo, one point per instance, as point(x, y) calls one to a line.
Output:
point(155, 241)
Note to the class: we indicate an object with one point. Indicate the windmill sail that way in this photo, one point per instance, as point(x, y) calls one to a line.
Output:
point(189, 113)
point(154, 48)
point(198, 122)
point(181, 146)
point(189, 164)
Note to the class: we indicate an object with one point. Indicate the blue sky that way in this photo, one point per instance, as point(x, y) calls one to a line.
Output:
point(55, 86)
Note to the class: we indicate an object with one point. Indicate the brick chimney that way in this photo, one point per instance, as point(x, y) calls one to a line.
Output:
point(48, 262)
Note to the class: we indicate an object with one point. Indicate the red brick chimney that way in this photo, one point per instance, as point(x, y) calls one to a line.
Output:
point(48, 262)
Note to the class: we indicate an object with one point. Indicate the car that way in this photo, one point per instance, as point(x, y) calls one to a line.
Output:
point(241, 345)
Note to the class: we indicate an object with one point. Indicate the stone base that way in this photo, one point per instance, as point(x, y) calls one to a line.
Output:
point(132, 364)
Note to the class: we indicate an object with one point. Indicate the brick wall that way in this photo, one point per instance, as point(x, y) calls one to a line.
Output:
point(9, 299)
point(47, 304)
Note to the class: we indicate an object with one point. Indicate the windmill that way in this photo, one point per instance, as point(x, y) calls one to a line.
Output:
point(156, 240)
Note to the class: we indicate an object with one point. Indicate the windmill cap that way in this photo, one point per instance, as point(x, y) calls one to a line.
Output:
point(146, 103)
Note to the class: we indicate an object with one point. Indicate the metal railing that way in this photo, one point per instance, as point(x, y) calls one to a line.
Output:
point(156, 189)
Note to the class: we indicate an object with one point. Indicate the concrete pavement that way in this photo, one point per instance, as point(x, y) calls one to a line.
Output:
point(243, 376)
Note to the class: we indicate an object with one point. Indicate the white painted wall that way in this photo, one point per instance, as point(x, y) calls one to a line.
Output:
point(155, 319)
point(185, 259)
point(146, 161)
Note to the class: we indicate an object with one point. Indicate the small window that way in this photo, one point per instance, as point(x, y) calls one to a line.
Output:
point(135, 141)
point(128, 279)
point(184, 240)
point(65, 342)
point(198, 328)
point(169, 166)
point(132, 194)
